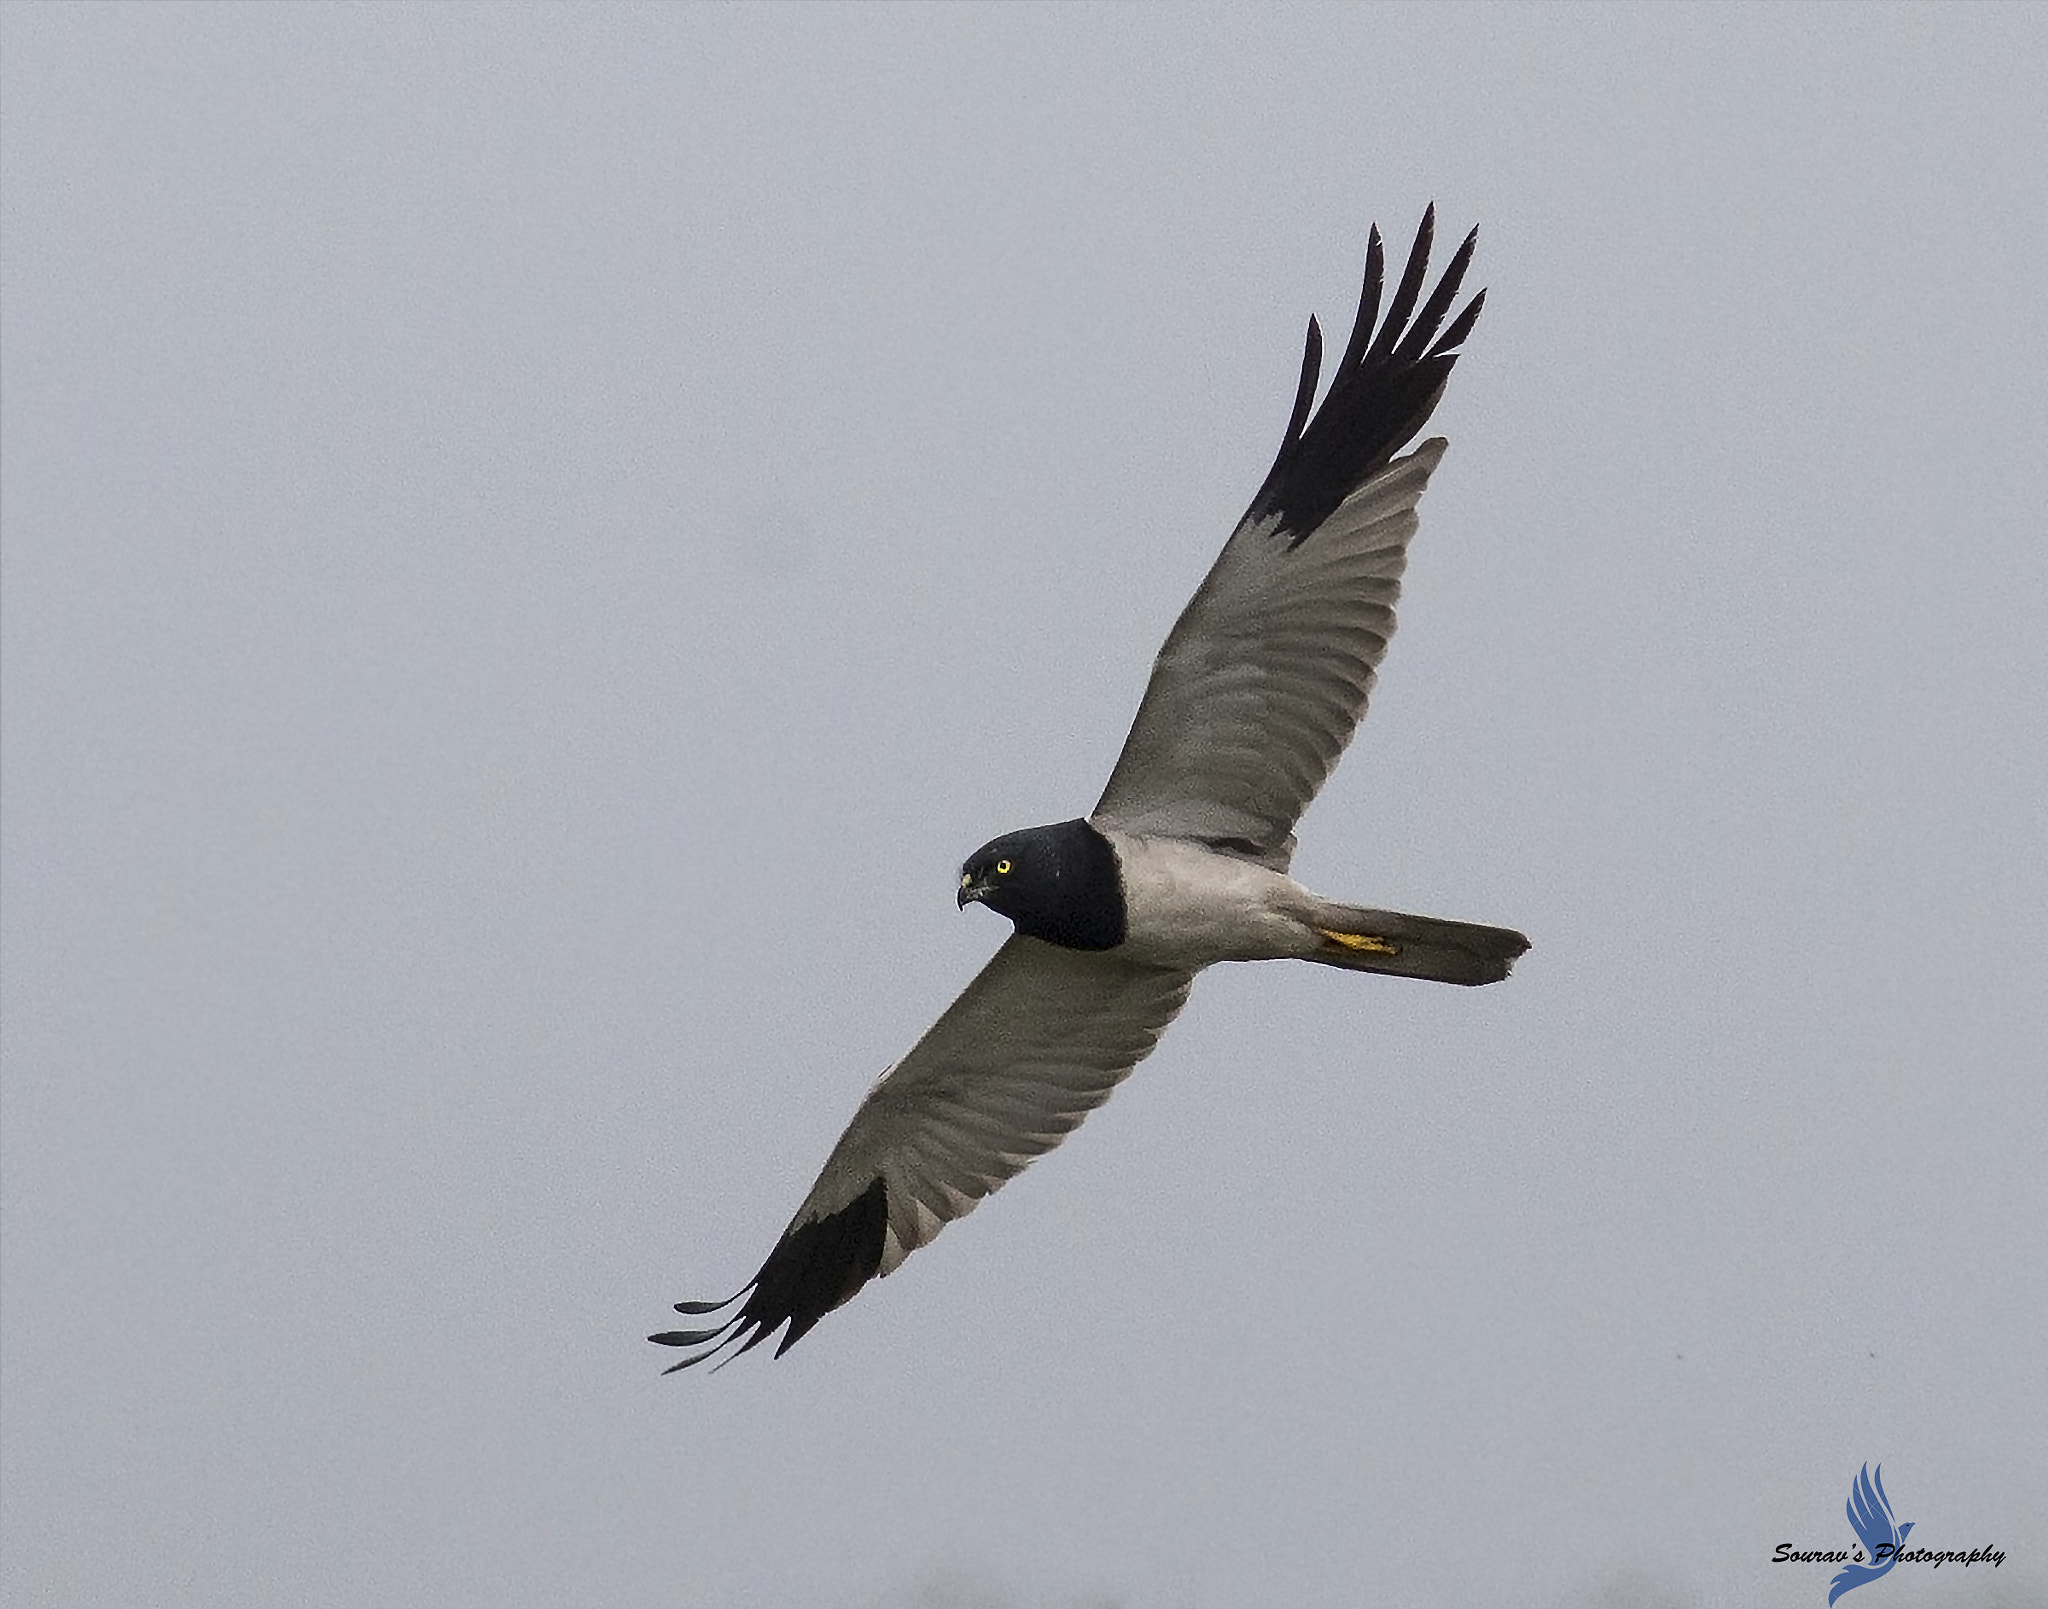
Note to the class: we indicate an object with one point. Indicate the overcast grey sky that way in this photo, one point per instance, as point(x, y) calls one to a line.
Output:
point(536, 539)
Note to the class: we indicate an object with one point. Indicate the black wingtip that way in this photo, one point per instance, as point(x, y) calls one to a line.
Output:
point(712, 1307)
point(1382, 392)
point(1461, 326)
point(814, 1267)
point(1410, 287)
point(1368, 302)
point(687, 1337)
point(1417, 340)
point(1305, 388)
point(719, 1338)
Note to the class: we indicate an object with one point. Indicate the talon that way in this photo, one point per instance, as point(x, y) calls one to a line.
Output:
point(1360, 941)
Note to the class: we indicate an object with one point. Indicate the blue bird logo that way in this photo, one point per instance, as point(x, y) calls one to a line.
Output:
point(1870, 1512)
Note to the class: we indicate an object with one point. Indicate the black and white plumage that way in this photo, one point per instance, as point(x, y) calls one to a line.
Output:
point(1183, 861)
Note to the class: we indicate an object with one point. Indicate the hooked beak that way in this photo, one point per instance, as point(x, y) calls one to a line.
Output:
point(972, 892)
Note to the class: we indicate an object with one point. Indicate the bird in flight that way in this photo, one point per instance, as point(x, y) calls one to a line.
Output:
point(1183, 862)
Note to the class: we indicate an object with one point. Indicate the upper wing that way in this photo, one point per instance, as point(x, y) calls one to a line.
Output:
point(1035, 1043)
point(1263, 678)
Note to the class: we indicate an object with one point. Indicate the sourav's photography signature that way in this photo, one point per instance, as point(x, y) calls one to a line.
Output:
point(1883, 1541)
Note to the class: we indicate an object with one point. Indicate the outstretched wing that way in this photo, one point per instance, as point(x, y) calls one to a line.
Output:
point(1035, 1043)
point(1265, 675)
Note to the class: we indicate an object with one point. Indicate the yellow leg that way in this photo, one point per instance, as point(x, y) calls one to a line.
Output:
point(1360, 941)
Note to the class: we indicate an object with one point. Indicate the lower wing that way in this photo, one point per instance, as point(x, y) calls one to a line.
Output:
point(1033, 1045)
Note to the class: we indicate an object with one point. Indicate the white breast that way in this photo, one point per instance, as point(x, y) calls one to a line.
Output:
point(1187, 905)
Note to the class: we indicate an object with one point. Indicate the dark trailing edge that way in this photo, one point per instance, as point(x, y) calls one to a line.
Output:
point(1380, 397)
point(813, 1268)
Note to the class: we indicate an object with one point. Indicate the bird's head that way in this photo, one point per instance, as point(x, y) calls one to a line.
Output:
point(1002, 874)
point(1059, 883)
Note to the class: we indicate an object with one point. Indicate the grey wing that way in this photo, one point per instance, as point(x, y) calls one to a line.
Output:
point(1267, 672)
point(1033, 1045)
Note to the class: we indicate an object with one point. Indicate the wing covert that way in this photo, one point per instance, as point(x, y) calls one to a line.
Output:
point(1037, 1041)
point(1263, 679)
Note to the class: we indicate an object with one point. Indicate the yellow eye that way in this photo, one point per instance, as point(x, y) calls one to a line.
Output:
point(1002, 868)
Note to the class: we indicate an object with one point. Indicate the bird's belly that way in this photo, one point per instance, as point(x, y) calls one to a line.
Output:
point(1187, 905)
